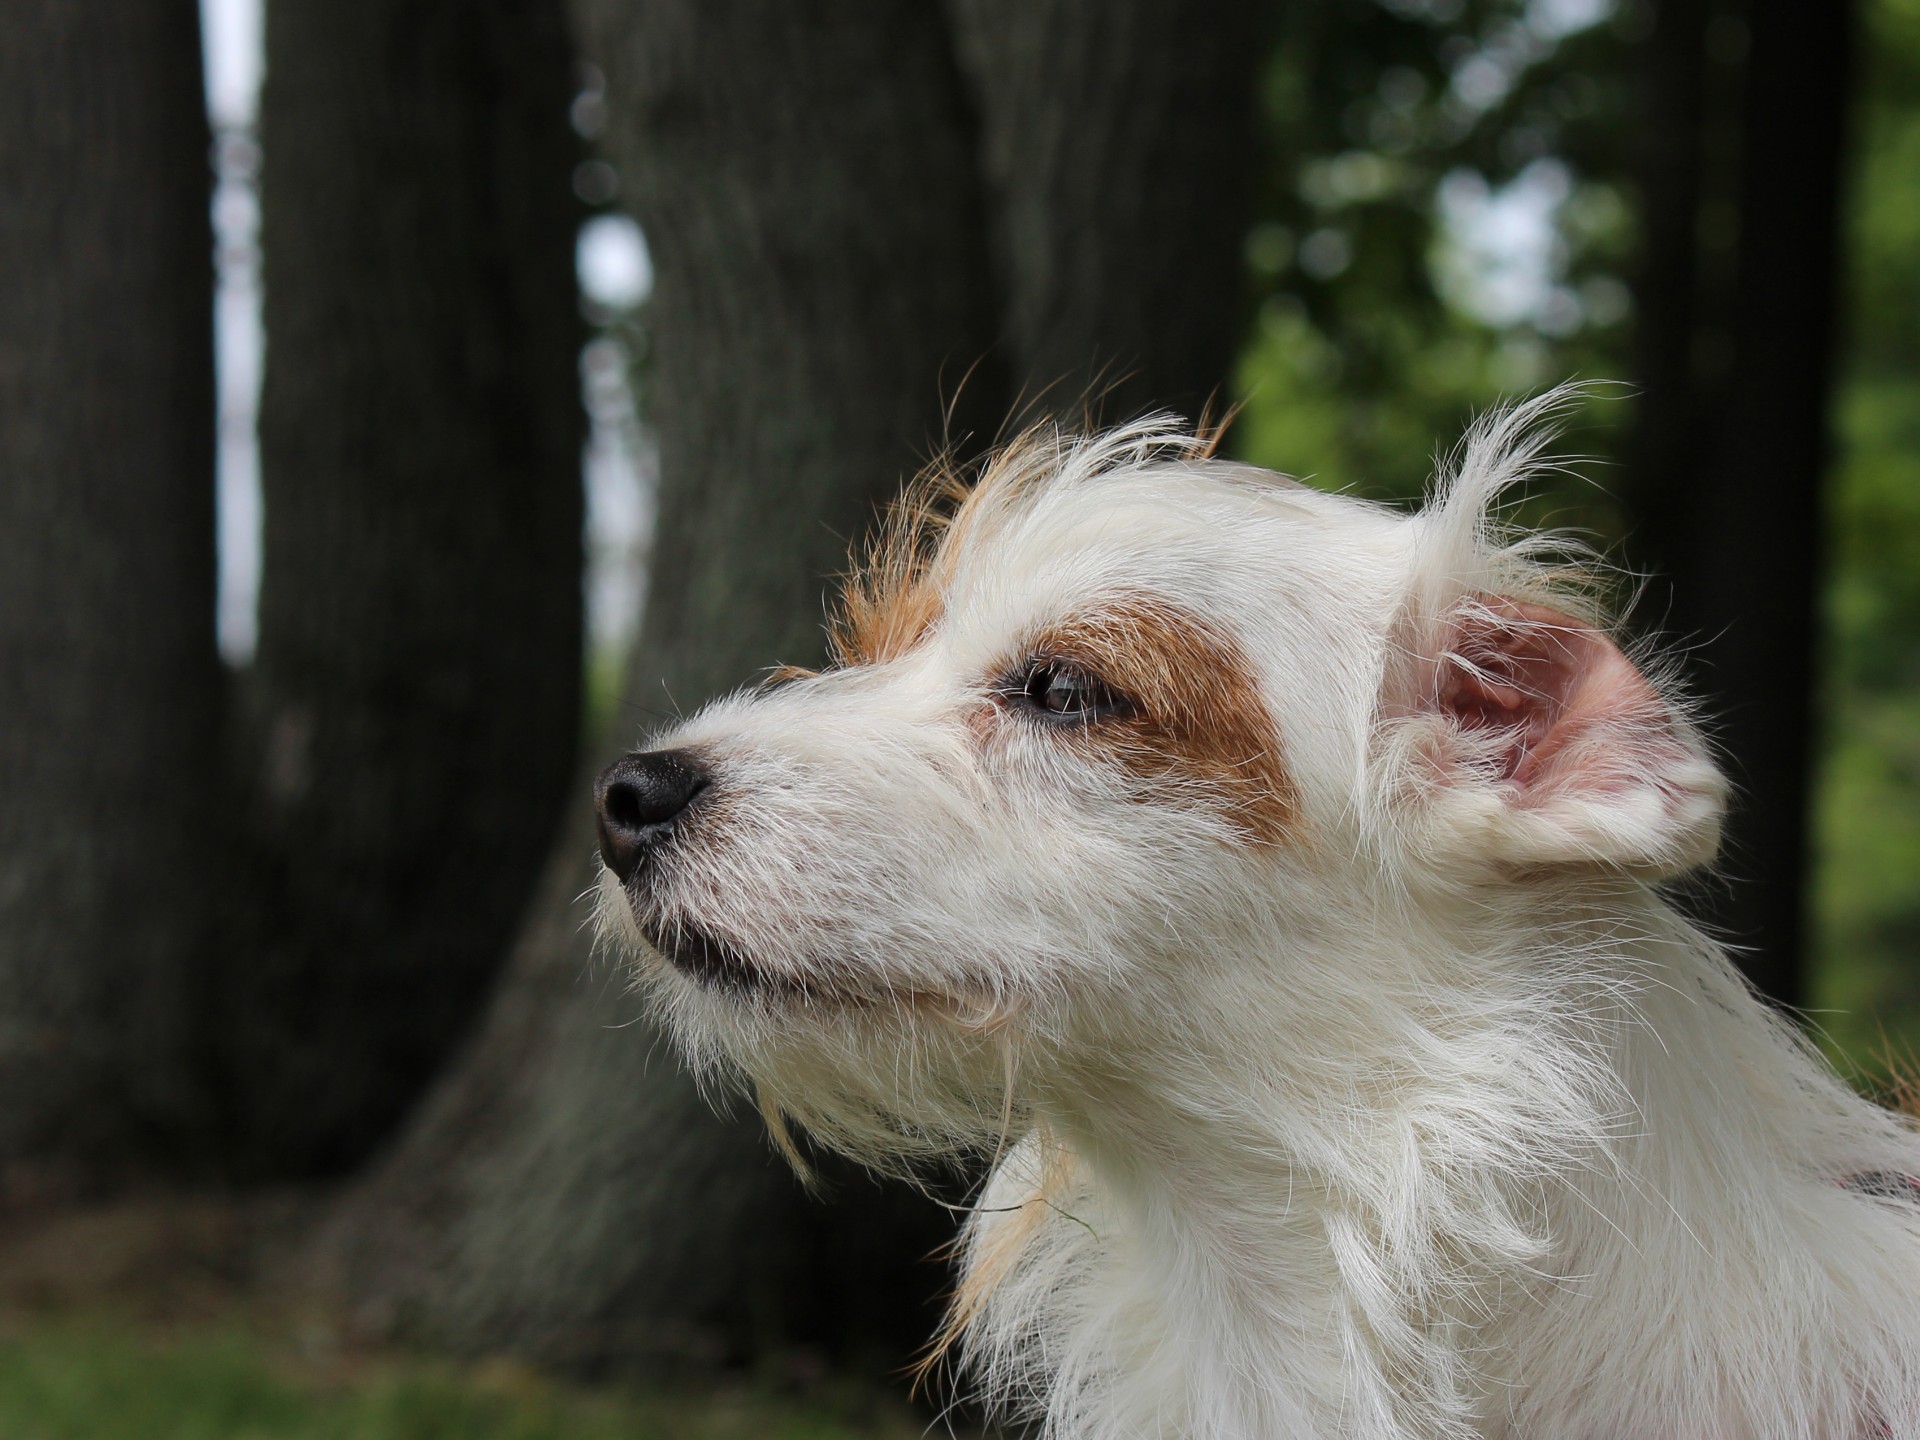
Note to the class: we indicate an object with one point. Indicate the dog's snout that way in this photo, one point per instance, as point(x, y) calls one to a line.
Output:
point(637, 799)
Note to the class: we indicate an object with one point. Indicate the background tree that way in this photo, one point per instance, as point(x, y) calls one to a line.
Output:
point(411, 714)
point(1117, 154)
point(243, 923)
point(827, 217)
point(111, 688)
point(1738, 306)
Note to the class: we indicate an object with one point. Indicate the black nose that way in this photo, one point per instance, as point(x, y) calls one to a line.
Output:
point(637, 799)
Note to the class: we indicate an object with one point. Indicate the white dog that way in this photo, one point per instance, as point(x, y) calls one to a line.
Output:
point(1269, 880)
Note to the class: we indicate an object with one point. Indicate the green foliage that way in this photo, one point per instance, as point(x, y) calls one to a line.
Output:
point(84, 1380)
point(1377, 332)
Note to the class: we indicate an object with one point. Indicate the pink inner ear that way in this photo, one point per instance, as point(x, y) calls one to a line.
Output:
point(1544, 684)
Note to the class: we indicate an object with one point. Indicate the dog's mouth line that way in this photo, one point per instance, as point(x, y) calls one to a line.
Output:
point(716, 964)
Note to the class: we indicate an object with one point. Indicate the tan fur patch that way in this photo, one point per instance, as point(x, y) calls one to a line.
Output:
point(1195, 714)
point(1002, 1243)
point(894, 594)
point(896, 591)
point(1901, 1092)
point(782, 674)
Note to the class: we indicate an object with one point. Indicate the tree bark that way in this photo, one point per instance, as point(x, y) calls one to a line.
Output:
point(110, 702)
point(413, 711)
point(1735, 463)
point(1756, 511)
point(1670, 311)
point(1118, 142)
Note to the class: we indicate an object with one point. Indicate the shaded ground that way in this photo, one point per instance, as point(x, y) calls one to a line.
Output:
point(184, 1318)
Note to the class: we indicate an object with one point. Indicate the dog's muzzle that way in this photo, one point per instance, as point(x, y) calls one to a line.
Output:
point(639, 799)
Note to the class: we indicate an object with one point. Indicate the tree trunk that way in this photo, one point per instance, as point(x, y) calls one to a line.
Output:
point(109, 710)
point(1673, 307)
point(1733, 509)
point(413, 711)
point(1119, 149)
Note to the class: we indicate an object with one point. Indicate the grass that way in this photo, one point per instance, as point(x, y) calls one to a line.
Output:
point(93, 1379)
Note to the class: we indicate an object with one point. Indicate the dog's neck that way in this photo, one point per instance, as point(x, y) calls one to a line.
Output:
point(1369, 1229)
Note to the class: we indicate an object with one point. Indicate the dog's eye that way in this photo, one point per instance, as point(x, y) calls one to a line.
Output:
point(1066, 692)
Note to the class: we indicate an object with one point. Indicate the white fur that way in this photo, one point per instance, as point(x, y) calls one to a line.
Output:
point(1433, 1120)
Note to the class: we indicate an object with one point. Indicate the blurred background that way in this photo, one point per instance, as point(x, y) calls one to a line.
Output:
point(405, 404)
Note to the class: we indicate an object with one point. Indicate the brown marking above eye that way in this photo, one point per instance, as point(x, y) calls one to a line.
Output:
point(896, 591)
point(894, 594)
point(1190, 707)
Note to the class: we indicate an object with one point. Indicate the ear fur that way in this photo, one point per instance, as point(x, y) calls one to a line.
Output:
point(1513, 722)
point(1547, 741)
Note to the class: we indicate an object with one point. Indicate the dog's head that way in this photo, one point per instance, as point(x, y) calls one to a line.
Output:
point(1117, 726)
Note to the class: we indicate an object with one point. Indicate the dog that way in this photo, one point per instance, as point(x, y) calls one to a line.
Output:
point(1270, 882)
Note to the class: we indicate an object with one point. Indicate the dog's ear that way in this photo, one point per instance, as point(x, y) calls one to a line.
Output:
point(1548, 747)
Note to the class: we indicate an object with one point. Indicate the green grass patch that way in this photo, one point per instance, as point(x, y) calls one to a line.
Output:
point(91, 1380)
